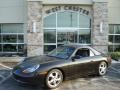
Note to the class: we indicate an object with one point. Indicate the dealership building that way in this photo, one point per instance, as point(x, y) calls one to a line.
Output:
point(35, 27)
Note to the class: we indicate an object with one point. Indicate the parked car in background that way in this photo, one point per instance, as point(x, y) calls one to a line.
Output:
point(64, 62)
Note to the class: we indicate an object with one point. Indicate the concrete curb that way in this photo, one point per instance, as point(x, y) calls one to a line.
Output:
point(113, 61)
point(11, 59)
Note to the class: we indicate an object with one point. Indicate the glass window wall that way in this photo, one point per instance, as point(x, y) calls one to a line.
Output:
point(114, 38)
point(66, 27)
point(11, 39)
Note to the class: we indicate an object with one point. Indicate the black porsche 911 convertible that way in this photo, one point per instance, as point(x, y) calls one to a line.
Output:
point(65, 62)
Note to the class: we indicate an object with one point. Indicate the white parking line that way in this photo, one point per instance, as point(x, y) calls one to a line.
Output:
point(115, 69)
point(5, 66)
point(4, 79)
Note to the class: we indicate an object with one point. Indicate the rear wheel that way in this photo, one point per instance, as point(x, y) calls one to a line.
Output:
point(54, 78)
point(102, 68)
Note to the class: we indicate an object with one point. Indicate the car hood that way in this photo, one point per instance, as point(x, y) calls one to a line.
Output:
point(38, 60)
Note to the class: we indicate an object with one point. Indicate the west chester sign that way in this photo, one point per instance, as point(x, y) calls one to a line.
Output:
point(70, 8)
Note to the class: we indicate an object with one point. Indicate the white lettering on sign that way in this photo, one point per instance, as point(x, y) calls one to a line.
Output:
point(68, 7)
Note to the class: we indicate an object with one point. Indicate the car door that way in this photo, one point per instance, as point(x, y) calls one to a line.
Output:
point(83, 64)
point(75, 68)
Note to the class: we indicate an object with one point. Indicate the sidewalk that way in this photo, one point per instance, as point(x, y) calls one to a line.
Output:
point(11, 59)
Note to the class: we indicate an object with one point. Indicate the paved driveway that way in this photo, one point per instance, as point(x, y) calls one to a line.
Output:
point(111, 81)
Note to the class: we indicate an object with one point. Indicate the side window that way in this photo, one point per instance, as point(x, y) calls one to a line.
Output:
point(83, 52)
point(91, 53)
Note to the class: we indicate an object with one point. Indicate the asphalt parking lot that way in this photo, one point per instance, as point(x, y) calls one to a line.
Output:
point(110, 81)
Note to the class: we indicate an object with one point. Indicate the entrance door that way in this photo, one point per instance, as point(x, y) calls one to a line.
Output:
point(67, 36)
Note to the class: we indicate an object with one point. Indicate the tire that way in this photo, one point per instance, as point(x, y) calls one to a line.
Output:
point(102, 68)
point(54, 79)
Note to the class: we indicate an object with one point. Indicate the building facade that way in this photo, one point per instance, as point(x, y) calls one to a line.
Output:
point(35, 27)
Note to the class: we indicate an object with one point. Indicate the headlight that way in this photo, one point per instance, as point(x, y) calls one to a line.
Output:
point(31, 69)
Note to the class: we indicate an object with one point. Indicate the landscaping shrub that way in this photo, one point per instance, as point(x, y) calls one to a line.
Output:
point(115, 55)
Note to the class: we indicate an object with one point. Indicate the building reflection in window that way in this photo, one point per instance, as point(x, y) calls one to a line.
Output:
point(9, 48)
point(84, 36)
point(9, 38)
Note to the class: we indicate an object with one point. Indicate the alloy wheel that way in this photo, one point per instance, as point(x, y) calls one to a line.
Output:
point(102, 68)
point(54, 78)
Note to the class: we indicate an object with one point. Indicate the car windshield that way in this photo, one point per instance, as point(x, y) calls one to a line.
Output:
point(63, 52)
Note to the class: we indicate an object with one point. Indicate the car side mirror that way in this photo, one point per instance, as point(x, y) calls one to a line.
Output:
point(75, 57)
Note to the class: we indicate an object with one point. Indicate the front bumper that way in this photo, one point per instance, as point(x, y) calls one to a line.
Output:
point(32, 79)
